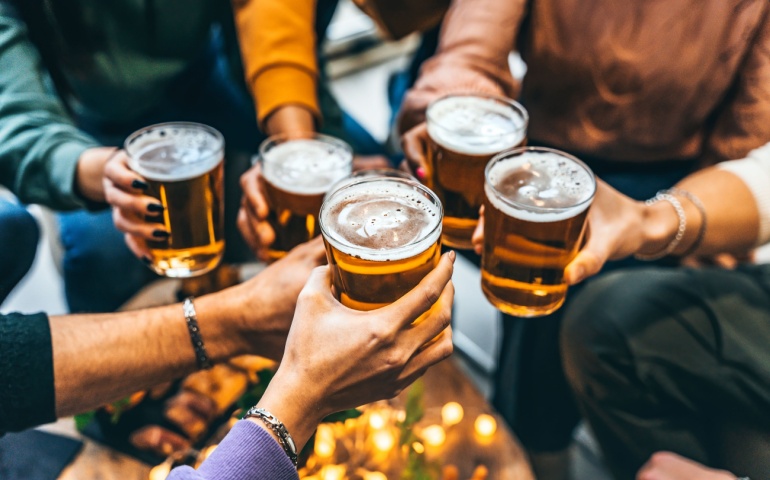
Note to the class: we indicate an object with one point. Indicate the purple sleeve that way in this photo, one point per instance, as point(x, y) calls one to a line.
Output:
point(247, 452)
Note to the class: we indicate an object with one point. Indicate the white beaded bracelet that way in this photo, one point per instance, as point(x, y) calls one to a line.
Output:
point(667, 197)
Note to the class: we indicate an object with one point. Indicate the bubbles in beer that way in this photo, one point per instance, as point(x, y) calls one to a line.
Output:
point(541, 180)
point(165, 154)
point(380, 216)
point(305, 166)
point(475, 125)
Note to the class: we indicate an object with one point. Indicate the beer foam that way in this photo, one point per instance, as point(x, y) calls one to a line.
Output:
point(170, 160)
point(540, 187)
point(475, 125)
point(306, 167)
point(381, 220)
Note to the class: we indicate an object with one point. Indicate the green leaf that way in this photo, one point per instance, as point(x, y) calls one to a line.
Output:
point(253, 396)
point(83, 419)
point(340, 417)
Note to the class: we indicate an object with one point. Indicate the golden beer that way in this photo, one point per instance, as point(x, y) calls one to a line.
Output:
point(296, 174)
point(466, 131)
point(382, 236)
point(536, 205)
point(183, 166)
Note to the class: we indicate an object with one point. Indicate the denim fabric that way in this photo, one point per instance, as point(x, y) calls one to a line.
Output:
point(18, 243)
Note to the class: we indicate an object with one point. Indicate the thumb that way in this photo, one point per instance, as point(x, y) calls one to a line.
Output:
point(588, 262)
point(319, 282)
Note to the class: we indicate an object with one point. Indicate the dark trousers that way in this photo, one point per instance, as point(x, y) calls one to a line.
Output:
point(663, 359)
point(531, 391)
point(18, 243)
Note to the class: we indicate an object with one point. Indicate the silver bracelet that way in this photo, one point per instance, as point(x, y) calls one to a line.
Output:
point(201, 356)
point(277, 427)
point(703, 218)
point(667, 197)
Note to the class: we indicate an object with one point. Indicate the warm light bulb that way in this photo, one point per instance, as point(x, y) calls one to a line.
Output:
point(383, 440)
point(375, 476)
point(160, 472)
point(418, 447)
point(434, 435)
point(485, 425)
point(333, 472)
point(452, 413)
point(376, 421)
point(324, 448)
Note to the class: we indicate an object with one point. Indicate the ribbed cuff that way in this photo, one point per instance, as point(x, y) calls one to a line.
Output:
point(285, 85)
point(754, 171)
point(64, 164)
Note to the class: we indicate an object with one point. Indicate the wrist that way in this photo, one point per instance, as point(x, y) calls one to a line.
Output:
point(90, 173)
point(659, 226)
point(290, 120)
point(221, 332)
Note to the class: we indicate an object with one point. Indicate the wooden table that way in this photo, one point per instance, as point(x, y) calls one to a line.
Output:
point(445, 382)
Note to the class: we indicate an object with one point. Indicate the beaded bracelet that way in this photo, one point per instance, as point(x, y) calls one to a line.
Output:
point(667, 197)
point(204, 363)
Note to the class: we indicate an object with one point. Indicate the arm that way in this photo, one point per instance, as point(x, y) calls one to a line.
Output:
point(277, 40)
point(744, 123)
point(109, 356)
point(476, 39)
point(337, 358)
point(39, 146)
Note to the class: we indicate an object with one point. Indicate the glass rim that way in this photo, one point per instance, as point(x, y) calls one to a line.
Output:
point(532, 208)
point(383, 253)
point(281, 138)
point(182, 125)
point(508, 102)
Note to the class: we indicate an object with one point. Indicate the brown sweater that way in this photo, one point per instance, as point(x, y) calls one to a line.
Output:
point(634, 81)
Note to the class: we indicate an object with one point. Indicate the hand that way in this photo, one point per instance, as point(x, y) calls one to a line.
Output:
point(478, 234)
point(132, 211)
point(670, 466)
point(263, 307)
point(338, 358)
point(617, 227)
point(415, 145)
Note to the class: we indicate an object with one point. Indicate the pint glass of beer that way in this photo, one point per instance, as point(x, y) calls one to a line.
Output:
point(183, 166)
point(536, 205)
point(465, 132)
point(382, 236)
point(296, 174)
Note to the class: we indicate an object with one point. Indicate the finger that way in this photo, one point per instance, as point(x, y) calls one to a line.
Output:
point(139, 248)
point(253, 192)
point(726, 261)
point(247, 231)
point(319, 282)
point(118, 172)
point(437, 321)
point(589, 261)
point(478, 233)
point(432, 354)
point(133, 204)
point(421, 298)
point(139, 228)
point(414, 143)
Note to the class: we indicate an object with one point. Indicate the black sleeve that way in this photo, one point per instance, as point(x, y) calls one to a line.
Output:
point(27, 395)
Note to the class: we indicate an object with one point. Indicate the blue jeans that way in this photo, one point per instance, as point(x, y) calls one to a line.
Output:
point(18, 244)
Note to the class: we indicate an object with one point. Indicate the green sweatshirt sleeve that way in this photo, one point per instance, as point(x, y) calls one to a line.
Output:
point(39, 143)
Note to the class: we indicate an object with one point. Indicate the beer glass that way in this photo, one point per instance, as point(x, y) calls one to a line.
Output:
point(183, 164)
point(536, 205)
point(382, 237)
point(465, 132)
point(296, 174)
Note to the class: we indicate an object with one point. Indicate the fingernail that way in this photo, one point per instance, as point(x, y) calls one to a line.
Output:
point(452, 255)
point(139, 185)
point(160, 234)
point(420, 172)
point(155, 208)
point(580, 273)
point(146, 260)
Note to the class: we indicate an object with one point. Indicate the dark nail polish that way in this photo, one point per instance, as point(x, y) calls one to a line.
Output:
point(155, 208)
point(146, 260)
point(139, 185)
point(160, 234)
